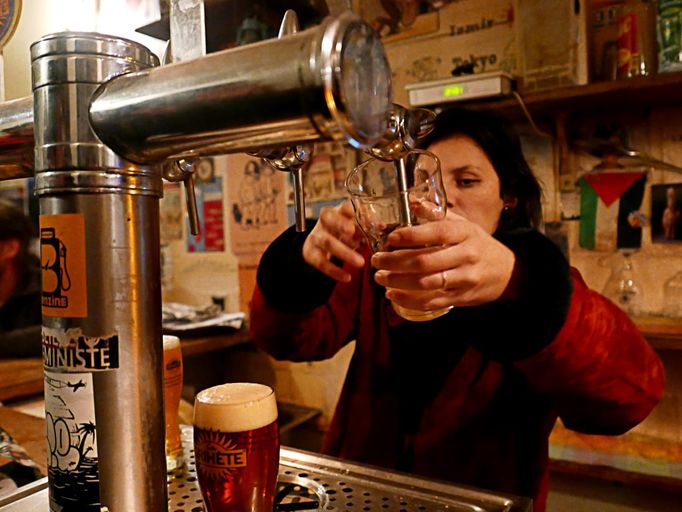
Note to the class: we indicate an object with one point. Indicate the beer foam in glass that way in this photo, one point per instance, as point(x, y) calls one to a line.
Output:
point(236, 447)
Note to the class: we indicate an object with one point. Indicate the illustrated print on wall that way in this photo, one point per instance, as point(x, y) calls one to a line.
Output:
point(666, 213)
point(258, 190)
point(71, 442)
point(256, 204)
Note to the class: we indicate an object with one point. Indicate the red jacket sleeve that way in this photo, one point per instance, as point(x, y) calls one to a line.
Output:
point(603, 376)
point(311, 333)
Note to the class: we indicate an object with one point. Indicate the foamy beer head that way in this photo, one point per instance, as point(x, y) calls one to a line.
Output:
point(236, 447)
point(235, 407)
point(170, 342)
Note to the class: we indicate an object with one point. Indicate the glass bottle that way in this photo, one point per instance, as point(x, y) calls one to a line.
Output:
point(637, 39)
point(672, 296)
point(669, 33)
point(622, 288)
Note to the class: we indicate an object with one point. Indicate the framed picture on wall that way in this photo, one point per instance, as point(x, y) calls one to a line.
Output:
point(666, 213)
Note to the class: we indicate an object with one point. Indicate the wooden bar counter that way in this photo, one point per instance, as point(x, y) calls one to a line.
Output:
point(23, 378)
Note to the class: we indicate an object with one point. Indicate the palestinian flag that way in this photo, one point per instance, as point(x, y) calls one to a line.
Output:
point(606, 201)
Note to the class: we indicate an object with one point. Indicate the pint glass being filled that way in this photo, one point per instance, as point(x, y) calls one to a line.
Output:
point(236, 447)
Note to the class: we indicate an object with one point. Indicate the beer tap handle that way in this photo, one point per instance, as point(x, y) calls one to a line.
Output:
point(183, 170)
point(187, 41)
point(289, 26)
point(405, 128)
point(299, 199)
point(293, 161)
point(191, 200)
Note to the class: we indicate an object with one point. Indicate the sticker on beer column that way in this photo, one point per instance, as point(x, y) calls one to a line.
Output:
point(71, 442)
point(72, 351)
point(217, 455)
point(62, 260)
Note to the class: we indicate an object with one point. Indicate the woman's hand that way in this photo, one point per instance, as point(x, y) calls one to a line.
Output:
point(335, 235)
point(460, 265)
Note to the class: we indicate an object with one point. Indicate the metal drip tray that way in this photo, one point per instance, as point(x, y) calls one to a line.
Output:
point(309, 481)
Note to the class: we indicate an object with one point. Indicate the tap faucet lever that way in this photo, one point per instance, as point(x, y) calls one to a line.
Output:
point(405, 128)
point(293, 160)
point(183, 170)
point(290, 158)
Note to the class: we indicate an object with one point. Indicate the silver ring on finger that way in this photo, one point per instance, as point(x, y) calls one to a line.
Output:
point(443, 280)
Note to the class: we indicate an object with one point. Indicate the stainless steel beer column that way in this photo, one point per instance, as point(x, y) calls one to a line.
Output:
point(99, 228)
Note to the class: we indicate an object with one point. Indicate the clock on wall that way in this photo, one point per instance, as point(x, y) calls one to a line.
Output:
point(204, 169)
point(10, 11)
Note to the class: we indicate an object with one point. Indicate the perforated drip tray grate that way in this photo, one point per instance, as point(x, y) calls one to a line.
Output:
point(310, 481)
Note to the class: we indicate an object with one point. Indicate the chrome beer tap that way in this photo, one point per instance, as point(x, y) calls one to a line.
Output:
point(405, 128)
point(104, 120)
point(290, 159)
point(188, 41)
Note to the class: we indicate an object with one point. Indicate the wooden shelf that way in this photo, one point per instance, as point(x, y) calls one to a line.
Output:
point(21, 378)
point(663, 333)
point(196, 345)
point(631, 458)
point(609, 474)
point(663, 89)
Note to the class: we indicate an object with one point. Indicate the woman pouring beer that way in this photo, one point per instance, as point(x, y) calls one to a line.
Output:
point(470, 397)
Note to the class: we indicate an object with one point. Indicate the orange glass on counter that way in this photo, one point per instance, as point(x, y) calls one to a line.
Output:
point(172, 390)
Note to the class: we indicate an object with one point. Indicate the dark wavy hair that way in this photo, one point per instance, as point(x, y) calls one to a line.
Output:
point(15, 225)
point(503, 148)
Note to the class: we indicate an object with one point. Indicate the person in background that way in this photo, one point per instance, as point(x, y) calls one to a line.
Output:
point(470, 397)
point(20, 290)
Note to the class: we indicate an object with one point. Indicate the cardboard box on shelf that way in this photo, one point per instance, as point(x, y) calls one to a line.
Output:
point(461, 33)
point(552, 43)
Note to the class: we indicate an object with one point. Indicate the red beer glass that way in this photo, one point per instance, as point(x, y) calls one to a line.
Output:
point(236, 447)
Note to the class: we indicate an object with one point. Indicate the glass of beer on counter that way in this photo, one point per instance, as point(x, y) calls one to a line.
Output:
point(172, 390)
point(236, 447)
point(379, 203)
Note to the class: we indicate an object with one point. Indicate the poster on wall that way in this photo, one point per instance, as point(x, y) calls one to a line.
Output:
point(209, 196)
point(666, 213)
point(170, 209)
point(256, 203)
point(325, 177)
point(10, 12)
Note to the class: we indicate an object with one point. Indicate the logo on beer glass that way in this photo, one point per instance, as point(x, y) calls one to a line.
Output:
point(218, 455)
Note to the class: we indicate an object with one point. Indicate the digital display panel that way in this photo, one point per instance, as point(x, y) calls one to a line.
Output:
point(453, 90)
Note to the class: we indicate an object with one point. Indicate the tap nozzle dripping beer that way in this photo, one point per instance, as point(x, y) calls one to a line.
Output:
point(405, 128)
